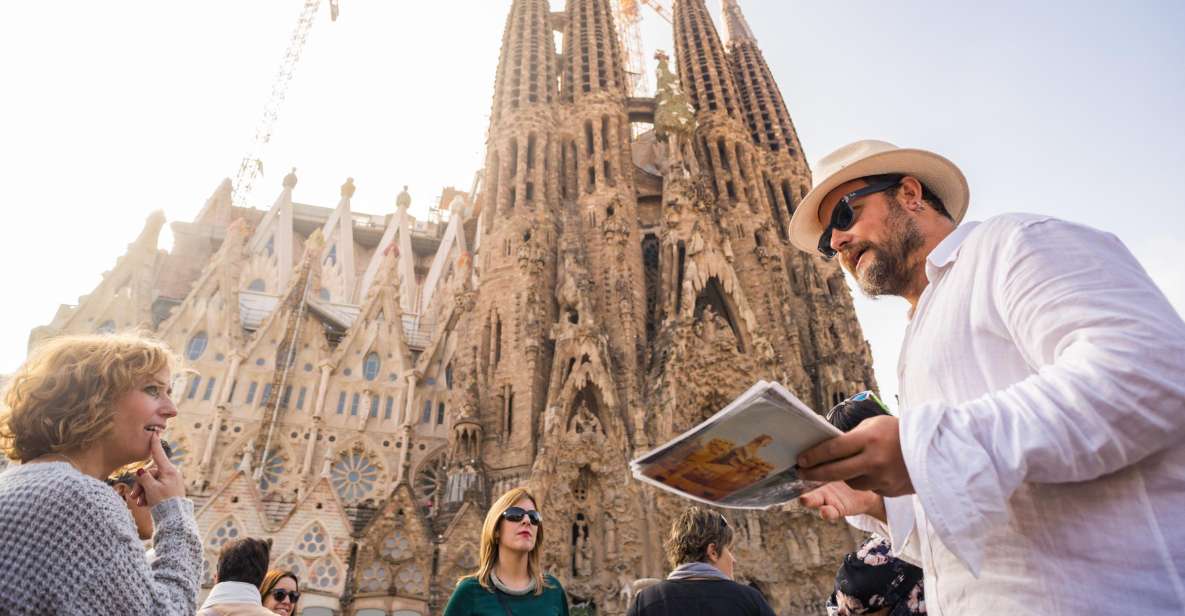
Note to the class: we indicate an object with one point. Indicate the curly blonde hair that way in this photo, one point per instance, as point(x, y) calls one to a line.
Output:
point(63, 397)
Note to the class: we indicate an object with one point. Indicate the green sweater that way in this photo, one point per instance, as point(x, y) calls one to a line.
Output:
point(470, 599)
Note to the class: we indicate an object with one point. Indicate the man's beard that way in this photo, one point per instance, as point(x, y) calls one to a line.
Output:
point(890, 272)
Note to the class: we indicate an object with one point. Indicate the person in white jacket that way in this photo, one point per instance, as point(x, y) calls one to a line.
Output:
point(1038, 462)
point(242, 564)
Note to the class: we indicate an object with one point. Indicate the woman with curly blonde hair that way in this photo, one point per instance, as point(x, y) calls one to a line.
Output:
point(509, 580)
point(80, 408)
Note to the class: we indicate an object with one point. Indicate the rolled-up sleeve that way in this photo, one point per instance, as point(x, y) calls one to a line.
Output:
point(1108, 352)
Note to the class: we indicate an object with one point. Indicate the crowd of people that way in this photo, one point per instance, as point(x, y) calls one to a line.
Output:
point(1036, 465)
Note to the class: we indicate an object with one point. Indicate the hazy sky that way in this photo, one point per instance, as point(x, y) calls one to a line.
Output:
point(113, 109)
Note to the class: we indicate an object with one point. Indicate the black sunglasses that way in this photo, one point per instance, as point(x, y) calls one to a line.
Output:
point(279, 594)
point(843, 216)
point(516, 514)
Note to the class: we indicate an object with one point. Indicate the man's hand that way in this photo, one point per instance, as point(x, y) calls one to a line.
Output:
point(867, 458)
point(836, 500)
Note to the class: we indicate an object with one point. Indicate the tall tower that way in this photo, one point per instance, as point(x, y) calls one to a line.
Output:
point(516, 240)
point(749, 223)
point(834, 355)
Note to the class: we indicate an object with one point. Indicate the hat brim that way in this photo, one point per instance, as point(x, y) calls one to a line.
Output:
point(940, 175)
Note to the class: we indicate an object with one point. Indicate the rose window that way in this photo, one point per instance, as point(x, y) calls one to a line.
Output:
point(354, 476)
point(270, 470)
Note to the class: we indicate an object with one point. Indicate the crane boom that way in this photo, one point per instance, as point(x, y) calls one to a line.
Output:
point(252, 165)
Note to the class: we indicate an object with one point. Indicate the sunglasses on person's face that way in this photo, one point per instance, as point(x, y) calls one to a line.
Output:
point(516, 514)
point(280, 594)
point(843, 216)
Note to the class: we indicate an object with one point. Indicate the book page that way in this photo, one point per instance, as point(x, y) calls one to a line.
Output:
point(743, 456)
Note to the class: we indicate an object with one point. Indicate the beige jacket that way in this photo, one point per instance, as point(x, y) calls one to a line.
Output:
point(236, 609)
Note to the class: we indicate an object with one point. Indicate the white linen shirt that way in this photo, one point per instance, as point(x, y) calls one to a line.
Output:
point(1042, 417)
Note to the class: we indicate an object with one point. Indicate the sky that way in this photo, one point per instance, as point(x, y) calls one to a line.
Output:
point(113, 109)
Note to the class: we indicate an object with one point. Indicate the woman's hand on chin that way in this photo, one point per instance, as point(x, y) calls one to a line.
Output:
point(159, 482)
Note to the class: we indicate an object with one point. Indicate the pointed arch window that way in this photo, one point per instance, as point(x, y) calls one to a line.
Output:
point(271, 246)
point(196, 346)
point(323, 294)
point(331, 258)
point(371, 366)
point(257, 285)
point(106, 327)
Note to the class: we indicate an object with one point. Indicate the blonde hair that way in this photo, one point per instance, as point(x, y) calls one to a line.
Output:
point(272, 578)
point(63, 397)
point(489, 542)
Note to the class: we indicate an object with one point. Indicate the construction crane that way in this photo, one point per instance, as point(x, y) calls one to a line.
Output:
point(252, 164)
point(627, 19)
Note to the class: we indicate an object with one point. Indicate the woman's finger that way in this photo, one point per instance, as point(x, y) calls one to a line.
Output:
point(159, 458)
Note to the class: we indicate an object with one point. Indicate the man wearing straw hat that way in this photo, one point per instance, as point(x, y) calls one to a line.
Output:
point(1037, 466)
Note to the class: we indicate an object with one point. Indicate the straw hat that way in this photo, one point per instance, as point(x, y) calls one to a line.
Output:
point(871, 157)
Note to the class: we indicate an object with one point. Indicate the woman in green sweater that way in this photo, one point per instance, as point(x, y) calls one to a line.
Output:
point(509, 580)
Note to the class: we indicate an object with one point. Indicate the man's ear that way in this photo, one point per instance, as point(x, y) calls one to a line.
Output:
point(909, 194)
point(712, 552)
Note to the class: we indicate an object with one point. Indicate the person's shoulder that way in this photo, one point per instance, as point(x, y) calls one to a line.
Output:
point(48, 486)
point(551, 581)
point(1019, 224)
point(466, 584)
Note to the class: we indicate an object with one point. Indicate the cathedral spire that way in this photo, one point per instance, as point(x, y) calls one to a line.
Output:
point(593, 58)
point(736, 28)
point(702, 65)
point(765, 112)
point(526, 67)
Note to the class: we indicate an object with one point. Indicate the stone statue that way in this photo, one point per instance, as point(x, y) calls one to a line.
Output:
point(248, 457)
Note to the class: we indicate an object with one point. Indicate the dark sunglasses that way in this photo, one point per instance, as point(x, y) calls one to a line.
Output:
point(843, 216)
point(279, 594)
point(516, 514)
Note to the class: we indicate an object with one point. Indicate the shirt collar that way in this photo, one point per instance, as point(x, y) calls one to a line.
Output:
point(947, 250)
point(233, 592)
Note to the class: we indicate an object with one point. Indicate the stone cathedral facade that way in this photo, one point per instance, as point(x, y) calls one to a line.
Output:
point(362, 386)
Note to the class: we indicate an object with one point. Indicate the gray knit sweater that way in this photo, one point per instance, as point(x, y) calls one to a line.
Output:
point(68, 546)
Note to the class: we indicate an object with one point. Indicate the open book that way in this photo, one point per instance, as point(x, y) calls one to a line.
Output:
point(743, 457)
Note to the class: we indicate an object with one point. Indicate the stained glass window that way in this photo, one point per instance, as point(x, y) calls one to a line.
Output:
point(410, 580)
point(291, 562)
point(375, 578)
point(193, 387)
point(353, 476)
point(271, 469)
point(325, 575)
point(396, 546)
point(226, 531)
point(371, 366)
point(196, 346)
point(257, 285)
point(314, 541)
point(209, 389)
